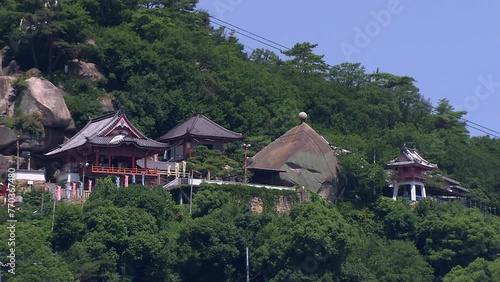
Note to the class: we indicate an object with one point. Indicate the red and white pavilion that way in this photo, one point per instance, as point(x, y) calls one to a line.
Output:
point(411, 174)
point(107, 145)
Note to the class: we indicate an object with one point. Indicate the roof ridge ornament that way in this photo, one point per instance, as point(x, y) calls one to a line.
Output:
point(302, 117)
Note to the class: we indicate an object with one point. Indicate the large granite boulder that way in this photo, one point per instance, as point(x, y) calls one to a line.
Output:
point(85, 70)
point(107, 103)
point(50, 139)
point(46, 99)
point(40, 96)
point(7, 162)
point(7, 96)
point(8, 136)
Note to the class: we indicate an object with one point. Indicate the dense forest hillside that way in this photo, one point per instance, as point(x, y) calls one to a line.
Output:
point(138, 234)
point(161, 61)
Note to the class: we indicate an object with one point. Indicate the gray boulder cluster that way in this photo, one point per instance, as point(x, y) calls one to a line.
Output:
point(36, 96)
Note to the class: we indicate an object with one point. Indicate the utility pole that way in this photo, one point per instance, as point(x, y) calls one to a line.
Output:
point(248, 266)
point(17, 159)
point(191, 194)
point(246, 146)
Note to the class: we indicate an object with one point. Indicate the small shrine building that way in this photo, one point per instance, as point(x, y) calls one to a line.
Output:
point(411, 174)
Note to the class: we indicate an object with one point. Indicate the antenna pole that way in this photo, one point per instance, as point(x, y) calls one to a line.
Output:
point(248, 268)
point(191, 194)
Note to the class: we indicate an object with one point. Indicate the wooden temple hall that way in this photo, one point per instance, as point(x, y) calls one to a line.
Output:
point(110, 145)
point(107, 145)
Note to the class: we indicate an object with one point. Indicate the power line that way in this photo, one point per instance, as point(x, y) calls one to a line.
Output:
point(262, 42)
point(468, 122)
point(483, 129)
point(486, 128)
point(254, 34)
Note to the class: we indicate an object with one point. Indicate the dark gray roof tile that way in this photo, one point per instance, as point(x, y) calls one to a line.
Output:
point(200, 126)
point(94, 132)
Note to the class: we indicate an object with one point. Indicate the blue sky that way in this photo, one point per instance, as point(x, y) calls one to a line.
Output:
point(451, 47)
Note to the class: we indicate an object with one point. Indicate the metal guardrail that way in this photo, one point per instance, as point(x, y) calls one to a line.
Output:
point(181, 181)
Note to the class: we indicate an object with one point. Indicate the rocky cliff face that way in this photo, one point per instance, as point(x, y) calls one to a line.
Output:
point(42, 97)
point(7, 96)
point(46, 99)
point(7, 136)
point(283, 204)
point(85, 70)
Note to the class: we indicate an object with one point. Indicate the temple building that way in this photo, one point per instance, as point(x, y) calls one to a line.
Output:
point(442, 188)
point(300, 157)
point(107, 145)
point(411, 170)
point(195, 131)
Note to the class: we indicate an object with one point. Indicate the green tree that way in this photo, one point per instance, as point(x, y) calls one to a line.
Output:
point(304, 60)
point(34, 259)
point(362, 181)
point(83, 101)
point(213, 250)
point(478, 270)
point(451, 235)
point(69, 226)
point(398, 261)
point(308, 245)
point(264, 56)
point(204, 161)
point(110, 13)
point(349, 75)
point(48, 34)
point(206, 201)
point(398, 220)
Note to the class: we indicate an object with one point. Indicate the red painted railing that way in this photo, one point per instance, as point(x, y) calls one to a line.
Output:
point(124, 170)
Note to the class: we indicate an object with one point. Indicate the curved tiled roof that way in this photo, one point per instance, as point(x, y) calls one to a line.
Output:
point(95, 132)
point(200, 126)
point(410, 157)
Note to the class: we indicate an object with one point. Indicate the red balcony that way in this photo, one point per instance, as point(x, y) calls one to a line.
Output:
point(123, 170)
